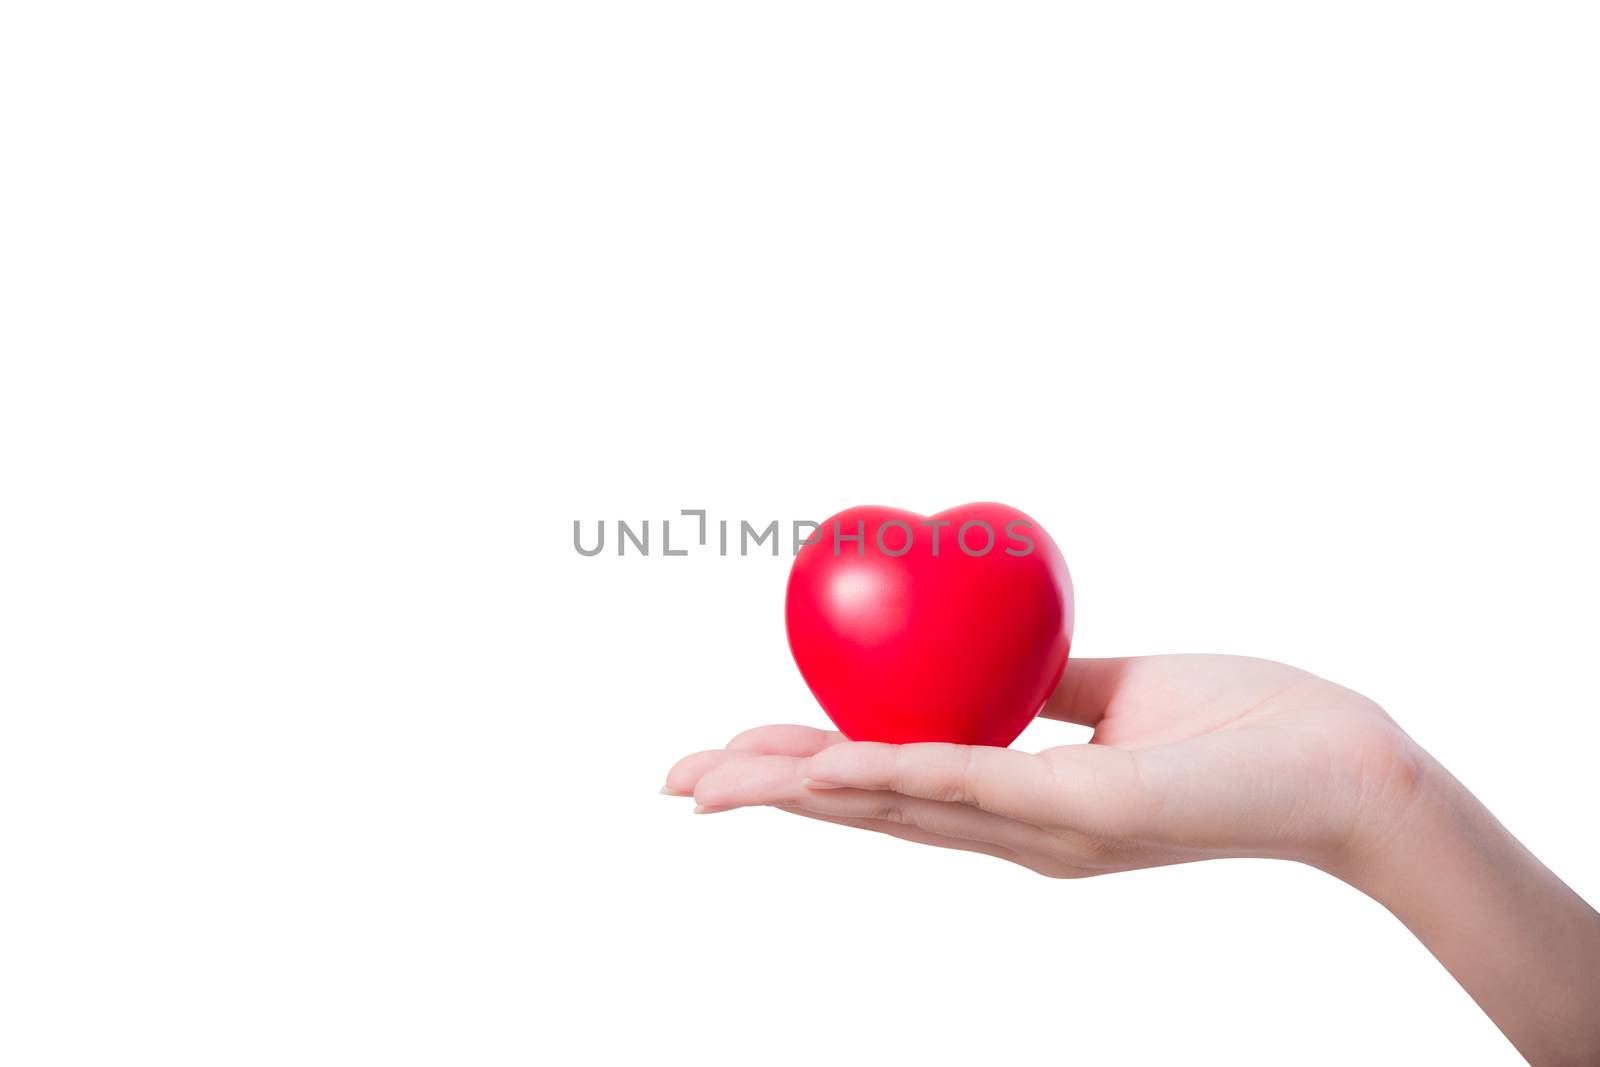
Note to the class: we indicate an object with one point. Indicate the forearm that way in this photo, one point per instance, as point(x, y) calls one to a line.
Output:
point(1523, 944)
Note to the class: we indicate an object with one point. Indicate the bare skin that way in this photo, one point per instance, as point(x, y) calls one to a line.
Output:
point(1201, 757)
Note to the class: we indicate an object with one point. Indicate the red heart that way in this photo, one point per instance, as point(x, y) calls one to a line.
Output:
point(904, 639)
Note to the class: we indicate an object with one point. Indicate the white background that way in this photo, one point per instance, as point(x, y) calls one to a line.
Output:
point(322, 322)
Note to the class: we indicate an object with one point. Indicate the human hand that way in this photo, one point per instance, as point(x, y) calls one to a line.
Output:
point(1193, 757)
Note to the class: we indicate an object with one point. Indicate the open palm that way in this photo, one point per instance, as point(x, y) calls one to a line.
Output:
point(1193, 757)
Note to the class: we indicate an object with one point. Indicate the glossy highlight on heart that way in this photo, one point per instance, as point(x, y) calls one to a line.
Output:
point(951, 627)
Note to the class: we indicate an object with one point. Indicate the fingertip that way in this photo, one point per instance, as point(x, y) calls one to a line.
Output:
point(688, 771)
point(746, 740)
point(783, 739)
point(748, 779)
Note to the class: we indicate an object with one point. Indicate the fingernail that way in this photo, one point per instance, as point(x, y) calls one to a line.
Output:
point(702, 809)
point(668, 791)
point(812, 783)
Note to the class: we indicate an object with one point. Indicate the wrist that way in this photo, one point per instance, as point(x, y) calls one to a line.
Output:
point(1521, 943)
point(1402, 798)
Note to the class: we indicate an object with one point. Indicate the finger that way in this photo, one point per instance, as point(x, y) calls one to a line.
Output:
point(1106, 792)
point(999, 780)
point(1086, 690)
point(910, 833)
point(782, 740)
point(786, 740)
point(746, 779)
point(776, 781)
point(930, 816)
point(688, 771)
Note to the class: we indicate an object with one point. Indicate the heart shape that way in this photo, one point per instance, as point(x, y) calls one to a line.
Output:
point(951, 627)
